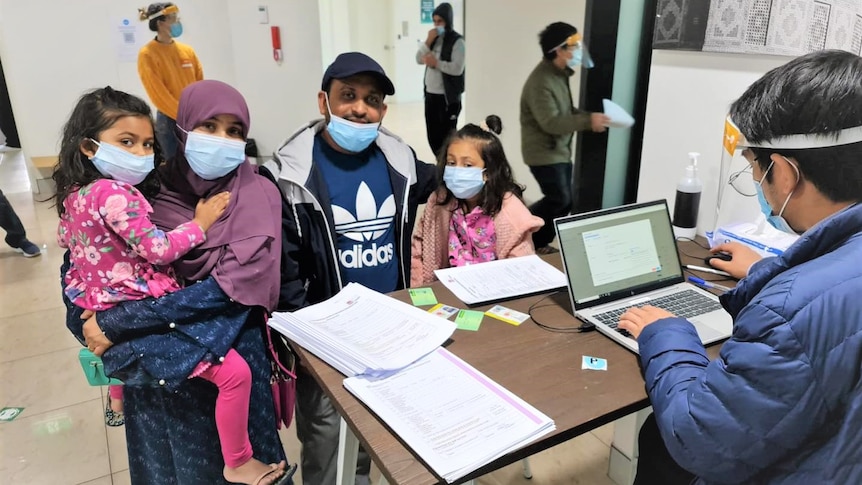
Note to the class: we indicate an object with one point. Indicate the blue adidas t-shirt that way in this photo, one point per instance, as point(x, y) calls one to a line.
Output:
point(364, 210)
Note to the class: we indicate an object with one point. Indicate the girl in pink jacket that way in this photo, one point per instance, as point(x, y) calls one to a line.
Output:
point(477, 214)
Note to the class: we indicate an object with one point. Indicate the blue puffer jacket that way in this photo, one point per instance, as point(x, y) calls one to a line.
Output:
point(783, 402)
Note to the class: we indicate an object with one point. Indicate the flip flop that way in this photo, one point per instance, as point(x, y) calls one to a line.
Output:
point(282, 480)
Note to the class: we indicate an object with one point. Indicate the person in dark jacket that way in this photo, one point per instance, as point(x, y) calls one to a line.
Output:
point(442, 53)
point(782, 404)
point(548, 122)
point(353, 188)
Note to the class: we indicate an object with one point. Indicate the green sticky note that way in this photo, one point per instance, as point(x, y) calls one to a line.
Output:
point(469, 320)
point(423, 296)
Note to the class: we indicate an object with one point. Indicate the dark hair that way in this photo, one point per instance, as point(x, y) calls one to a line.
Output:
point(152, 9)
point(498, 172)
point(554, 35)
point(819, 93)
point(95, 112)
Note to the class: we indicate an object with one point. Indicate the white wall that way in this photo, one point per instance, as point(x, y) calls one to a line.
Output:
point(502, 49)
point(54, 51)
point(690, 94)
point(280, 97)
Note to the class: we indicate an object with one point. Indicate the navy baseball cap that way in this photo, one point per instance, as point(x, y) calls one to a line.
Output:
point(351, 63)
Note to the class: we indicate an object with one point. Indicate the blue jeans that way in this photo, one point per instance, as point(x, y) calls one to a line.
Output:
point(166, 135)
point(556, 184)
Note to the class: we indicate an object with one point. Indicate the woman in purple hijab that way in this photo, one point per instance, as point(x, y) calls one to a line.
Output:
point(232, 282)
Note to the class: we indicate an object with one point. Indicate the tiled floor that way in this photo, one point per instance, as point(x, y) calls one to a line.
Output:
point(61, 437)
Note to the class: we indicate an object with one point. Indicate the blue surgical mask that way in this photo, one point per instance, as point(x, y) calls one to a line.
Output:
point(213, 157)
point(776, 221)
point(464, 182)
point(577, 58)
point(176, 29)
point(121, 165)
point(353, 137)
point(440, 29)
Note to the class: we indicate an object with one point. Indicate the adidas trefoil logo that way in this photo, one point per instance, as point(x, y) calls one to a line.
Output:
point(370, 223)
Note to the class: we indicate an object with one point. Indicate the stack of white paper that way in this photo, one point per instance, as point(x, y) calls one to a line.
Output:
point(360, 331)
point(454, 417)
point(501, 280)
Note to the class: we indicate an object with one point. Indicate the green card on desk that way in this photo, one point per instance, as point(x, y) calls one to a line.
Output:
point(469, 320)
point(422, 296)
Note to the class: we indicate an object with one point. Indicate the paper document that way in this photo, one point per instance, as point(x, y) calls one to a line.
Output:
point(360, 331)
point(619, 117)
point(454, 417)
point(501, 279)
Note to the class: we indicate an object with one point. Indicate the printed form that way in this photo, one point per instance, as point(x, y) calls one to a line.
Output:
point(450, 414)
point(501, 279)
point(361, 331)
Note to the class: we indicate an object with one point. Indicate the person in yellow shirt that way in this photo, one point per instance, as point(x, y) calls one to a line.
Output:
point(166, 67)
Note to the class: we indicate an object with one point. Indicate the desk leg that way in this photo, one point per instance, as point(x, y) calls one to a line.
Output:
point(348, 449)
point(623, 461)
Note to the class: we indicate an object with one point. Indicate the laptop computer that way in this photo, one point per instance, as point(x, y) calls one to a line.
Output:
point(627, 256)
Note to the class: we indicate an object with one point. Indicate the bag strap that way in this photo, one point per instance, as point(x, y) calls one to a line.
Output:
point(273, 352)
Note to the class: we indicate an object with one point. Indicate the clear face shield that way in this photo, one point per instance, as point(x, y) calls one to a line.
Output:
point(737, 192)
point(580, 54)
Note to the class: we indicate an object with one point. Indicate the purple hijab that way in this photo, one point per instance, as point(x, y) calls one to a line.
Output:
point(243, 248)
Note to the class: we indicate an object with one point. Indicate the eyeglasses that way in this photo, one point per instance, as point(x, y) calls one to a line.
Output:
point(742, 182)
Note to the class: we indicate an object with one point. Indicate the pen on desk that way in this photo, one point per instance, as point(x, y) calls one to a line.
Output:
point(707, 270)
point(707, 284)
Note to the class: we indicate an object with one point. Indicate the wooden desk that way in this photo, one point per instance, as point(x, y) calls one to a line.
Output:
point(542, 367)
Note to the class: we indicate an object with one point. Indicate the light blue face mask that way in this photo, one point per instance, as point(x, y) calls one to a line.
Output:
point(464, 182)
point(212, 157)
point(353, 137)
point(776, 221)
point(440, 29)
point(577, 58)
point(121, 165)
point(176, 29)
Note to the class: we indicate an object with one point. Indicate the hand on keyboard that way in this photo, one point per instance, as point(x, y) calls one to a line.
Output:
point(635, 319)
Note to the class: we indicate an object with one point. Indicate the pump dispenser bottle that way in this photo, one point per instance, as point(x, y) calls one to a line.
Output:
point(687, 201)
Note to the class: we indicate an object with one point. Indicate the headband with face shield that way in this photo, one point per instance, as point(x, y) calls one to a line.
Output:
point(736, 171)
point(172, 10)
point(580, 54)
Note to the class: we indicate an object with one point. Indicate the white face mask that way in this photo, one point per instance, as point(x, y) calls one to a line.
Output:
point(121, 165)
point(213, 157)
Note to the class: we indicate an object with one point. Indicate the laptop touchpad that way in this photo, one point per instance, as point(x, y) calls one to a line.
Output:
point(707, 333)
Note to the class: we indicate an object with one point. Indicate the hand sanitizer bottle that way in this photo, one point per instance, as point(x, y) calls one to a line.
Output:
point(687, 201)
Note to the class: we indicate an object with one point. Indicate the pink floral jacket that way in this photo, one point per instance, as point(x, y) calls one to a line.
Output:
point(115, 249)
point(514, 226)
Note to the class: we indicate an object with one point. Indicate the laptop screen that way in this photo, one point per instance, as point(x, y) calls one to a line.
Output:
point(617, 253)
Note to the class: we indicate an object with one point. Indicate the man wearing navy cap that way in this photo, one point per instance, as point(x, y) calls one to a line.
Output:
point(354, 188)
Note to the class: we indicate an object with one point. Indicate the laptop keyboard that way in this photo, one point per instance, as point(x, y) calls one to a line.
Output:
point(685, 304)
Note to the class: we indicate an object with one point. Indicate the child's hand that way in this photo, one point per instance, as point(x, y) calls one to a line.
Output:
point(208, 211)
point(95, 337)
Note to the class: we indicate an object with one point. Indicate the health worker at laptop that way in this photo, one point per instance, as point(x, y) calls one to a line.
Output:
point(783, 402)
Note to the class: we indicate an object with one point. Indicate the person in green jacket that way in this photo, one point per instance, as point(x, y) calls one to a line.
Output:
point(548, 122)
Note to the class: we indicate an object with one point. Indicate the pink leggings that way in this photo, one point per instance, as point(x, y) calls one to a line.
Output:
point(233, 379)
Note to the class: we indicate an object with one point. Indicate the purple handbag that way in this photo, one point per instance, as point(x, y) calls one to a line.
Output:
point(283, 380)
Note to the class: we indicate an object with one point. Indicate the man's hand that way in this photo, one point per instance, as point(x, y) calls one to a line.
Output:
point(636, 319)
point(430, 60)
point(743, 257)
point(432, 36)
point(599, 122)
point(95, 338)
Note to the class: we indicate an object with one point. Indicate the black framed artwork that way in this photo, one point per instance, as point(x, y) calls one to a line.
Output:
point(777, 27)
